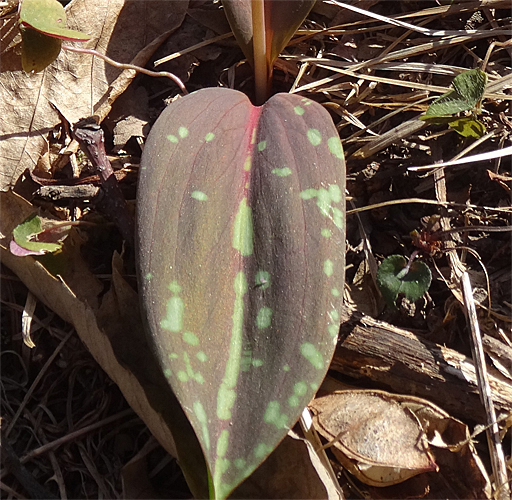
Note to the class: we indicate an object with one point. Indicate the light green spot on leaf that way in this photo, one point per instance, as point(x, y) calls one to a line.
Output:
point(323, 201)
point(257, 363)
point(307, 194)
point(262, 146)
point(199, 195)
point(174, 318)
point(148, 276)
point(203, 420)
point(173, 355)
point(243, 229)
point(282, 172)
point(299, 110)
point(223, 443)
point(333, 330)
point(183, 132)
point(326, 233)
point(167, 372)
point(209, 137)
point(335, 147)
point(335, 292)
point(310, 352)
point(286, 368)
point(239, 463)
point(274, 416)
point(226, 395)
point(262, 450)
point(328, 267)
point(221, 466)
point(182, 376)
point(335, 193)
point(172, 138)
point(201, 356)
point(262, 280)
point(264, 318)
point(334, 315)
point(190, 338)
point(300, 388)
point(293, 401)
point(314, 136)
point(337, 217)
point(190, 372)
point(174, 287)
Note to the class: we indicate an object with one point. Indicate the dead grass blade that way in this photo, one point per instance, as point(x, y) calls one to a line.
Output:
point(499, 466)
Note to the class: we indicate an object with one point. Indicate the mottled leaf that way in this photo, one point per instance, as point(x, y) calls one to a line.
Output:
point(241, 214)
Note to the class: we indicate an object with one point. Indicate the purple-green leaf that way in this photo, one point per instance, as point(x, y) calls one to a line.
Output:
point(241, 241)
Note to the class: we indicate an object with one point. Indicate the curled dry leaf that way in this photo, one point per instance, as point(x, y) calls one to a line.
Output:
point(377, 416)
point(375, 438)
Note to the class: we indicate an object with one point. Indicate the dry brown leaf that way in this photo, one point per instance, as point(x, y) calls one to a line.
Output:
point(450, 445)
point(75, 85)
point(376, 439)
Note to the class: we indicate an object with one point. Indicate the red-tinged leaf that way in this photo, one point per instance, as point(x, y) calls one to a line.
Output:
point(37, 236)
point(241, 261)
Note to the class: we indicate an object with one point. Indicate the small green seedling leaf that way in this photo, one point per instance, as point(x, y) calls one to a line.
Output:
point(37, 236)
point(48, 17)
point(468, 91)
point(395, 277)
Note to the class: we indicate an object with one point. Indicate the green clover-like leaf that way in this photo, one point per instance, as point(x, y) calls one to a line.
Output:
point(393, 278)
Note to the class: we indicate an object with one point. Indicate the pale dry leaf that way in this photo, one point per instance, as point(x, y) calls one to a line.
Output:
point(454, 451)
point(75, 85)
point(373, 436)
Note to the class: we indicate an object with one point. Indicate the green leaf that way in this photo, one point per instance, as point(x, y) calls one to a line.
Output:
point(468, 127)
point(394, 278)
point(38, 50)
point(469, 88)
point(33, 239)
point(241, 240)
point(48, 17)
